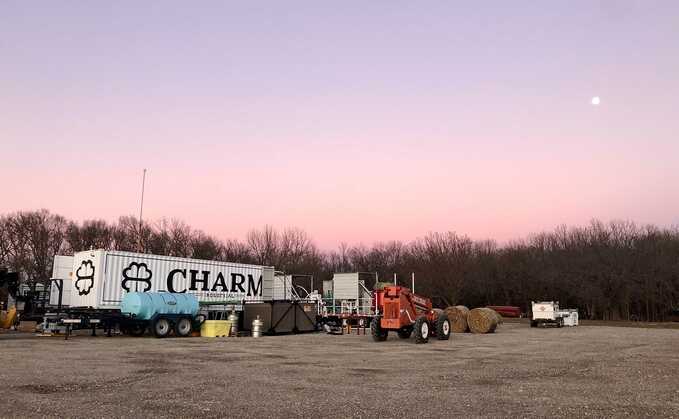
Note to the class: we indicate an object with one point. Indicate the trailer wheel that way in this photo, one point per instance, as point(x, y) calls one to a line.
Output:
point(183, 327)
point(161, 327)
point(442, 327)
point(421, 330)
point(533, 323)
point(379, 334)
point(136, 330)
point(405, 332)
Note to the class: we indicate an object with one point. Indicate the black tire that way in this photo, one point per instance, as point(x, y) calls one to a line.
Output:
point(559, 323)
point(533, 323)
point(136, 330)
point(379, 334)
point(442, 327)
point(161, 327)
point(183, 327)
point(405, 332)
point(421, 330)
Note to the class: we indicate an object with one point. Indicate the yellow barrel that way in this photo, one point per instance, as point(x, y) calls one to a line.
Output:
point(215, 328)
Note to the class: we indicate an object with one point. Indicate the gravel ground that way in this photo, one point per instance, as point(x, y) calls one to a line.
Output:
point(518, 371)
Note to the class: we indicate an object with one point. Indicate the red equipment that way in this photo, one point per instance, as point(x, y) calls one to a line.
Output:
point(399, 309)
point(507, 311)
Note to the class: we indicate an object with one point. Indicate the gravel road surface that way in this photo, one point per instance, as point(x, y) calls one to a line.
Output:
point(518, 371)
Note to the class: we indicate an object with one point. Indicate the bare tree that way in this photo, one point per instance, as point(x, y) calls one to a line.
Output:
point(264, 245)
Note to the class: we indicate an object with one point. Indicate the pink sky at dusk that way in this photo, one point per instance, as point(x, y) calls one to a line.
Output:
point(357, 123)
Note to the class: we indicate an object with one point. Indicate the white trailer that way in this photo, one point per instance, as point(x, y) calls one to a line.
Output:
point(102, 277)
point(548, 312)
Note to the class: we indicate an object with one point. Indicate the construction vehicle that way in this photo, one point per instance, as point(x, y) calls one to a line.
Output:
point(400, 310)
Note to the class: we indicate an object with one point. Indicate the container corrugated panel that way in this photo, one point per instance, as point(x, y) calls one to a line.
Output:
point(345, 286)
point(110, 274)
point(61, 269)
point(282, 287)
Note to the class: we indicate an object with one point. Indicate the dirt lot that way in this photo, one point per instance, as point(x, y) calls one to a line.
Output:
point(519, 371)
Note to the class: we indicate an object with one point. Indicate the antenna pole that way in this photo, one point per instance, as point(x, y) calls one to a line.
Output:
point(141, 209)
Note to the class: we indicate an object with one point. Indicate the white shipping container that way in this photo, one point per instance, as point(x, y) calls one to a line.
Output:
point(62, 269)
point(345, 286)
point(101, 278)
point(282, 287)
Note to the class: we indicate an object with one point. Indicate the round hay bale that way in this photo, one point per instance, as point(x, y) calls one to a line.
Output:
point(458, 318)
point(500, 320)
point(482, 320)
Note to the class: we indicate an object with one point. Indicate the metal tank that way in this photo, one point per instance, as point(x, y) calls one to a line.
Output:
point(146, 305)
point(257, 326)
point(233, 318)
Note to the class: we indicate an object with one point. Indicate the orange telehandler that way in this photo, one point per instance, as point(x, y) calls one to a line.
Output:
point(399, 309)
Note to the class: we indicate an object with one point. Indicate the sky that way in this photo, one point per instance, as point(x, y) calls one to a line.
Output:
point(358, 122)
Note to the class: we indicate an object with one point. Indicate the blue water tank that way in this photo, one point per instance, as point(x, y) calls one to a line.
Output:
point(145, 305)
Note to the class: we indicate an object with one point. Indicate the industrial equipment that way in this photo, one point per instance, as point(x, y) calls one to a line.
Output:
point(507, 311)
point(162, 312)
point(20, 301)
point(548, 313)
point(347, 299)
point(279, 317)
point(400, 310)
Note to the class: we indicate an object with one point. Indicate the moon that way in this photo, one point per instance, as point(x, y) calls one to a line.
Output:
point(596, 100)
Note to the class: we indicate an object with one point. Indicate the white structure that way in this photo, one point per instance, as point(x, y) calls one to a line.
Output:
point(62, 273)
point(101, 278)
point(548, 312)
point(348, 293)
point(283, 288)
point(570, 317)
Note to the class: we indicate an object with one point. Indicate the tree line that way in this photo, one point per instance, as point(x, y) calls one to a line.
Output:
point(615, 270)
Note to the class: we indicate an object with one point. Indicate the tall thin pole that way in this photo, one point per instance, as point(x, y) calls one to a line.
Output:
point(412, 278)
point(141, 208)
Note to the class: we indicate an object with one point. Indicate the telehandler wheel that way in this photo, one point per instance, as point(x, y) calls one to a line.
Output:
point(405, 332)
point(161, 327)
point(379, 334)
point(421, 330)
point(183, 327)
point(442, 327)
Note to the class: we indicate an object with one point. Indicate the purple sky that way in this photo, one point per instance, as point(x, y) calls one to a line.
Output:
point(363, 122)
